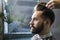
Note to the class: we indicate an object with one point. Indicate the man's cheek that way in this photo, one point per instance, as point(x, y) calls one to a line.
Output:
point(36, 23)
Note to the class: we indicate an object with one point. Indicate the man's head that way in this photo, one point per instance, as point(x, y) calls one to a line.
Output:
point(42, 19)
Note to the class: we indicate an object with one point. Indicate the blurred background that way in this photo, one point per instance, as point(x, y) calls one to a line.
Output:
point(17, 15)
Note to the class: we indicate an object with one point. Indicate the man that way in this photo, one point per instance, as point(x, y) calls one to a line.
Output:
point(42, 19)
point(53, 4)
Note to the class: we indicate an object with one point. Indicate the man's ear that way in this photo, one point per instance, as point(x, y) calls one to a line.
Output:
point(47, 22)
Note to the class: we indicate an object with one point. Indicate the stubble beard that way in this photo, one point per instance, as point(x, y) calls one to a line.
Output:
point(38, 30)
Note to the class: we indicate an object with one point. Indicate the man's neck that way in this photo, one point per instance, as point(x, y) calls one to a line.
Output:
point(46, 35)
point(45, 31)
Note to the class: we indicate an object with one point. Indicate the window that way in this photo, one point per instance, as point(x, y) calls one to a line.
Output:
point(17, 15)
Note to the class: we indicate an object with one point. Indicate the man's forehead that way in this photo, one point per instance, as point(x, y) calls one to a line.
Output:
point(35, 7)
point(37, 14)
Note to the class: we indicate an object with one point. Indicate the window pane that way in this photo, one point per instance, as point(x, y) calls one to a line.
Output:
point(18, 15)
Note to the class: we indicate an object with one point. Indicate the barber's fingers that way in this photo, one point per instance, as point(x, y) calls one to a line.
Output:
point(52, 5)
point(48, 3)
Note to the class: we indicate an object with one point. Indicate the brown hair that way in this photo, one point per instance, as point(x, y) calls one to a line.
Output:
point(47, 13)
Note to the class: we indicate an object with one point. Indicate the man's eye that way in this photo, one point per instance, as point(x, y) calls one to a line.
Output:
point(35, 19)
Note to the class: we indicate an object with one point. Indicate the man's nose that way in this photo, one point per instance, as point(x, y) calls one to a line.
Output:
point(31, 22)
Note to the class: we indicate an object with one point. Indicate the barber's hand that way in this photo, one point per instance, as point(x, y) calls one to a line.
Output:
point(53, 4)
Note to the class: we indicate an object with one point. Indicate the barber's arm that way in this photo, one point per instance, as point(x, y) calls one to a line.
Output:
point(53, 4)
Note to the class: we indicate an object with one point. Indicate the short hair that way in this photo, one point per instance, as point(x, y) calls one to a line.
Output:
point(47, 13)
